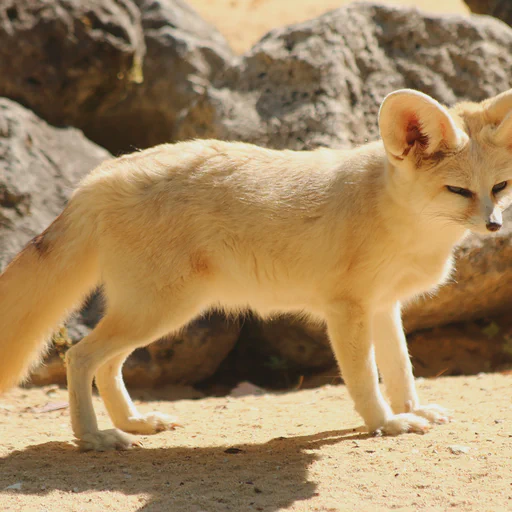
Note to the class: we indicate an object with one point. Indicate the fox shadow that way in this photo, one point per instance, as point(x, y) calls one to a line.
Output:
point(179, 478)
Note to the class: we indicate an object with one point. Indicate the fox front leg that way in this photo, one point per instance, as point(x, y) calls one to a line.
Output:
point(395, 367)
point(349, 328)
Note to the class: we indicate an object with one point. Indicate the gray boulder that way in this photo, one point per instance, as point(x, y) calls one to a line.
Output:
point(120, 70)
point(69, 60)
point(320, 83)
point(183, 54)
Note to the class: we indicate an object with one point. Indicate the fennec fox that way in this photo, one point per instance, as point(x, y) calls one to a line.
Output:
point(344, 236)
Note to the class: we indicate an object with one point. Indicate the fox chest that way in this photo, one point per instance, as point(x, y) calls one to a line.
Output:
point(402, 278)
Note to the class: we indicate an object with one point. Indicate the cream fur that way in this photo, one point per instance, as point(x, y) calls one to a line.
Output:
point(344, 236)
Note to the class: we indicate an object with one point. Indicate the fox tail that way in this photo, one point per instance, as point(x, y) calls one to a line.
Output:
point(50, 277)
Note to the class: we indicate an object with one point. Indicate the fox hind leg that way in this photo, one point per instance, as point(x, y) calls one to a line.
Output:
point(82, 360)
point(122, 411)
point(108, 344)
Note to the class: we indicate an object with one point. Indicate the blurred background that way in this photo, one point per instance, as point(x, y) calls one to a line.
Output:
point(243, 22)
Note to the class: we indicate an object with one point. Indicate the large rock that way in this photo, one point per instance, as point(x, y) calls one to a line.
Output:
point(501, 9)
point(320, 83)
point(183, 54)
point(69, 60)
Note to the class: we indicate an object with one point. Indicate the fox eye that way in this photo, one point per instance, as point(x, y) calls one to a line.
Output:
point(499, 187)
point(460, 191)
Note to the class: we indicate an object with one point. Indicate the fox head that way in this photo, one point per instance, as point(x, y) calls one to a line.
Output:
point(454, 166)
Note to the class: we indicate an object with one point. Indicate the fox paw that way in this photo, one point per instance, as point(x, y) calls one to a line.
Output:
point(105, 440)
point(147, 424)
point(433, 413)
point(402, 423)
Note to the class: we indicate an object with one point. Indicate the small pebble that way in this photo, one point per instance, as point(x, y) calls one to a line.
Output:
point(14, 487)
point(458, 449)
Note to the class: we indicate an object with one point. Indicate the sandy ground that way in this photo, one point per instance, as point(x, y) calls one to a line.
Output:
point(296, 451)
point(243, 22)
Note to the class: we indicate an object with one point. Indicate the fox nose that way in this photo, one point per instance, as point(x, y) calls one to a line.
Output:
point(493, 226)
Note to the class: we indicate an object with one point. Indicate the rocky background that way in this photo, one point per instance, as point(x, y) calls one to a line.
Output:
point(80, 81)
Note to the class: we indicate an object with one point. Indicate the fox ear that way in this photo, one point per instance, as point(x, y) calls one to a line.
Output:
point(415, 125)
point(499, 111)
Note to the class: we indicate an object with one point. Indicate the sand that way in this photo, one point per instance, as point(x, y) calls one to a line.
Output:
point(294, 451)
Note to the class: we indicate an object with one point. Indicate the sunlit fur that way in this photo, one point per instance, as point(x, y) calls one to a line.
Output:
point(343, 236)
